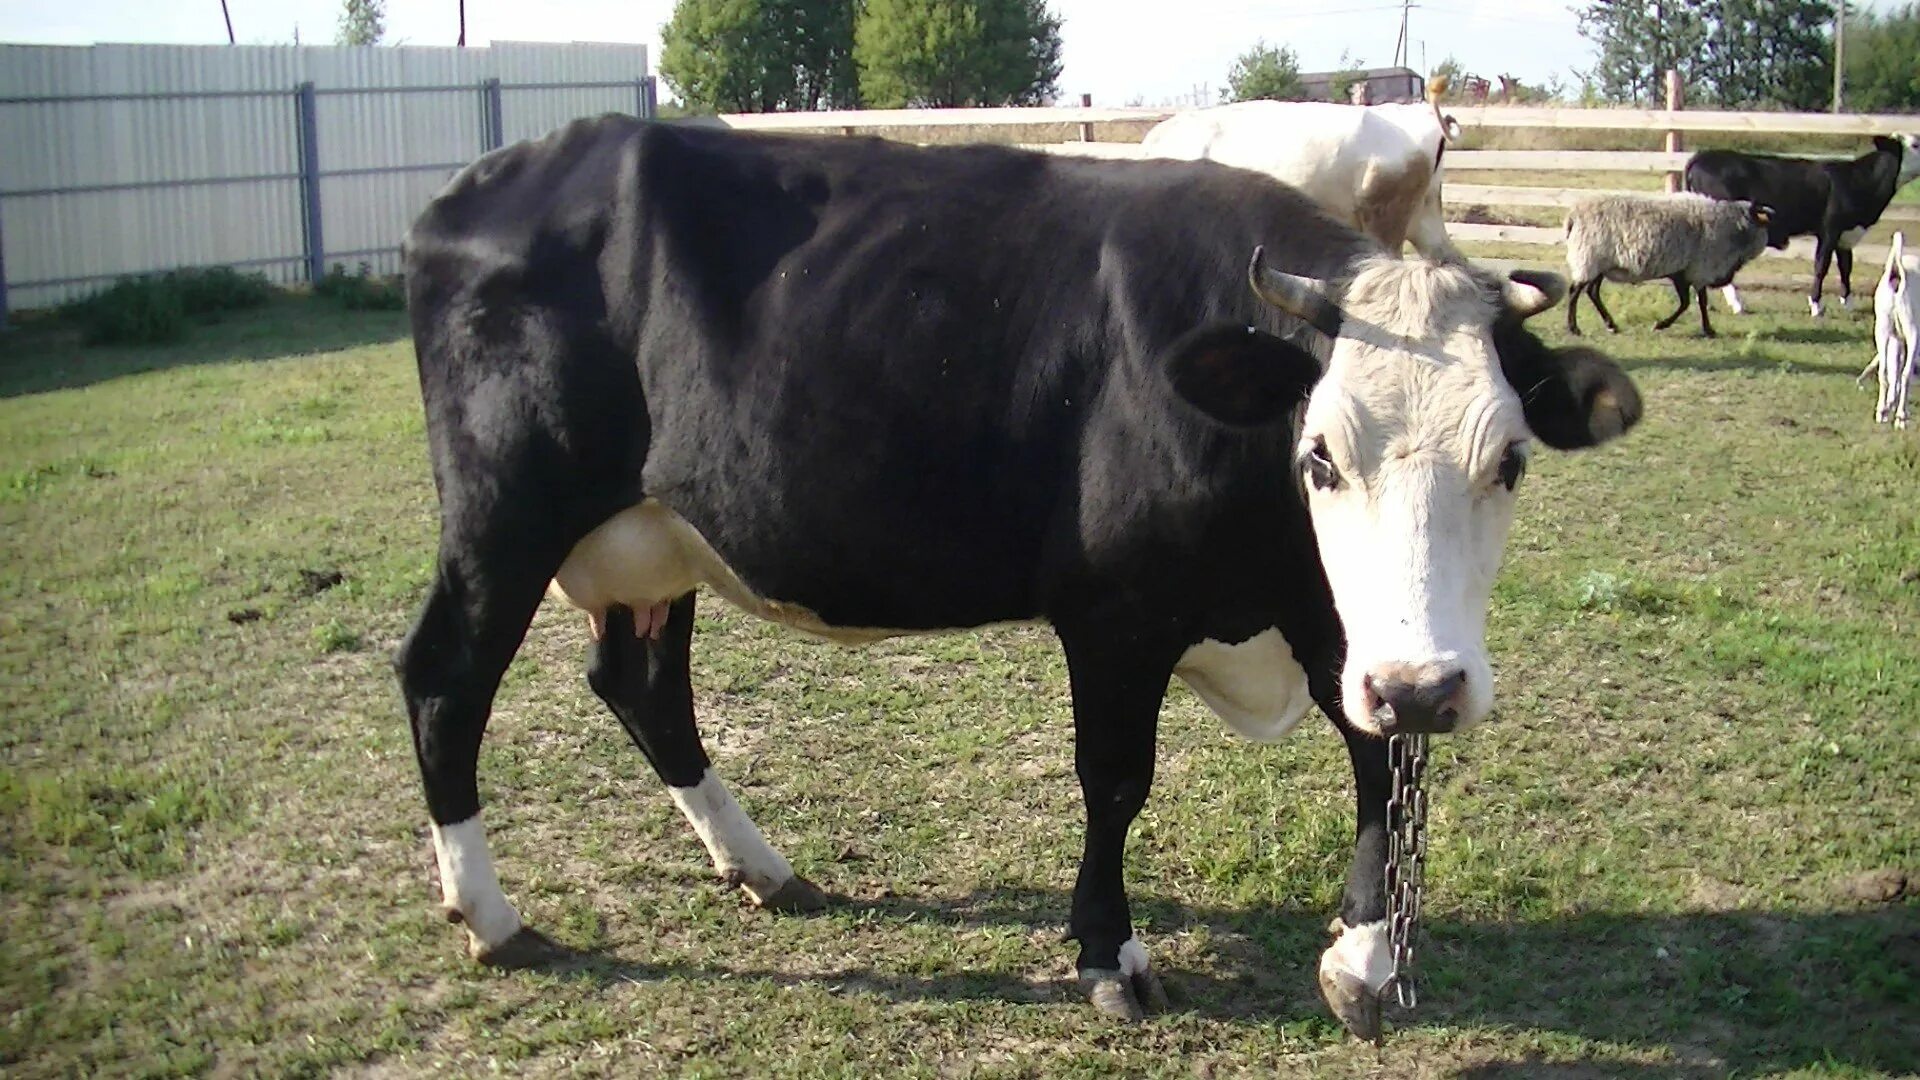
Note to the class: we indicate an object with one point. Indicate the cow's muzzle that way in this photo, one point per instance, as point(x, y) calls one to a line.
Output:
point(1415, 698)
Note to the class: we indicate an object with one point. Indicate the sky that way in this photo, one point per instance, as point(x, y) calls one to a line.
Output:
point(1120, 51)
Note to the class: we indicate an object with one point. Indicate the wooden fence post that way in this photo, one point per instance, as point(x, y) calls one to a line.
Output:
point(1086, 127)
point(1674, 104)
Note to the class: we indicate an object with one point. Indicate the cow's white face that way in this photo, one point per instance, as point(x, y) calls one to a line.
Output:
point(1410, 451)
point(1412, 445)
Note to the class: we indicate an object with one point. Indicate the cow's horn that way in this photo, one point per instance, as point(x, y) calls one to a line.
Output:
point(1529, 292)
point(1304, 297)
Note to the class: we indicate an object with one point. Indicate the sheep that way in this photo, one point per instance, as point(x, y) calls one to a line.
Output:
point(1691, 240)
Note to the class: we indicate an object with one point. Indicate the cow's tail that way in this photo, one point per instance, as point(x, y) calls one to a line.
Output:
point(1449, 127)
point(1896, 264)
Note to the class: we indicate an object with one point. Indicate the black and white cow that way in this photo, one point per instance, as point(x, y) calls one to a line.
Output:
point(1835, 202)
point(866, 389)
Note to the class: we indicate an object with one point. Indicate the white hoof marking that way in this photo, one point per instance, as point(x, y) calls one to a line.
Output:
point(1133, 958)
point(469, 886)
point(739, 851)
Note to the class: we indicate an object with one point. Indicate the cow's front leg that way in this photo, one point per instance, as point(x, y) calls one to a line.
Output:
point(1116, 707)
point(1354, 971)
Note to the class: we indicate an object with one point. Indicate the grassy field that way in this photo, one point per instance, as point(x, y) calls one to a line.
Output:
point(1686, 846)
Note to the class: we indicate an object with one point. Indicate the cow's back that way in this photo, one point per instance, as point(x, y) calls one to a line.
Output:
point(1318, 147)
point(856, 366)
point(1794, 190)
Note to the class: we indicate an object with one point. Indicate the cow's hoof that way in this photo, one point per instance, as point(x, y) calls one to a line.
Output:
point(1152, 993)
point(1129, 993)
point(527, 948)
point(1123, 996)
point(1353, 1003)
point(797, 896)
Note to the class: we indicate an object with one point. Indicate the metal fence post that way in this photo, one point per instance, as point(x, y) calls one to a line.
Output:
point(649, 98)
point(305, 109)
point(490, 112)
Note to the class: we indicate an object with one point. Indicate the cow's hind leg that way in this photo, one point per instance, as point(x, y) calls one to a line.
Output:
point(645, 680)
point(483, 597)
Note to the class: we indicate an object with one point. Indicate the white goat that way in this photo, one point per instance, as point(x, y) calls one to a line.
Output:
point(1896, 332)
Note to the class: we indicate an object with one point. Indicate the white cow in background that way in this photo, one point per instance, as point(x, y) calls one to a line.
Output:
point(1377, 167)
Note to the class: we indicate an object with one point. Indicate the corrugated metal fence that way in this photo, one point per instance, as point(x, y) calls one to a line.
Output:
point(127, 159)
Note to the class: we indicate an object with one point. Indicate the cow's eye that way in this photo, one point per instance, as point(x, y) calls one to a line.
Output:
point(1513, 466)
point(1317, 466)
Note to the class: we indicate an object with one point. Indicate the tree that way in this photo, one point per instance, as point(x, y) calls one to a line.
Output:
point(1769, 52)
point(1456, 75)
point(946, 53)
point(1270, 72)
point(1737, 53)
point(761, 55)
point(1352, 70)
point(818, 35)
point(362, 22)
point(1883, 74)
point(1639, 41)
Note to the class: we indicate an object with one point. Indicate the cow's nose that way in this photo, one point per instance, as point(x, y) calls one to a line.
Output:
point(1415, 697)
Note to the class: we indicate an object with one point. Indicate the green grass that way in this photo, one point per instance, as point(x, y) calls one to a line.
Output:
point(1651, 862)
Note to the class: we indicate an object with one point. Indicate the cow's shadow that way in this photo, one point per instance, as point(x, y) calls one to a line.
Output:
point(1703, 357)
point(1717, 991)
point(46, 353)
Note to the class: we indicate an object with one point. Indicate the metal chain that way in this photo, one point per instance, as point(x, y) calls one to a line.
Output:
point(1406, 859)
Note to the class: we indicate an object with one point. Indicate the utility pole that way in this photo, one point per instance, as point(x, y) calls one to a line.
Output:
point(1839, 53)
point(1402, 48)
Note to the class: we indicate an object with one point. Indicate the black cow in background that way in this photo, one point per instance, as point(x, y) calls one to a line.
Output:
point(1835, 202)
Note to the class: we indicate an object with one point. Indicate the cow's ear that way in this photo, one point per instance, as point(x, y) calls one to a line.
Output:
point(1574, 397)
point(1241, 376)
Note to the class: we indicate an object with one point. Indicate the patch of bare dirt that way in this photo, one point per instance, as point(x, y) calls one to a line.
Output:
point(1709, 894)
point(1882, 886)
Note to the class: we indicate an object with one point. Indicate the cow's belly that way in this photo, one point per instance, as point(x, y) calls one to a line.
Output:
point(647, 554)
point(1256, 686)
